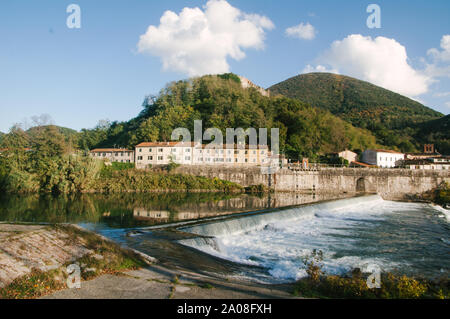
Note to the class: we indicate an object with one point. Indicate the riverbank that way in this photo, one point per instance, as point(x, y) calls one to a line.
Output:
point(34, 260)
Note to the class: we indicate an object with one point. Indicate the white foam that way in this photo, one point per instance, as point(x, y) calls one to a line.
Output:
point(282, 245)
point(445, 212)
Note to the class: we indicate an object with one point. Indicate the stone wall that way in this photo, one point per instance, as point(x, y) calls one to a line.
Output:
point(389, 183)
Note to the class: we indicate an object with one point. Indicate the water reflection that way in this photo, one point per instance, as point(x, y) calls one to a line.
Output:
point(139, 210)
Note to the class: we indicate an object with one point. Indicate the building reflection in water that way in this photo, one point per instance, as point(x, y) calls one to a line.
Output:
point(245, 203)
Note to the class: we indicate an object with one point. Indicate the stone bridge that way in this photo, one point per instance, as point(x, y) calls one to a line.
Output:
point(389, 183)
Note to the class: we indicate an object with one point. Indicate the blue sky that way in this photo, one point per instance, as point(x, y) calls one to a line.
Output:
point(80, 76)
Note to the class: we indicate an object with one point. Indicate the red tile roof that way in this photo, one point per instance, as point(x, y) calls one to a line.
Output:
point(362, 164)
point(109, 150)
point(167, 144)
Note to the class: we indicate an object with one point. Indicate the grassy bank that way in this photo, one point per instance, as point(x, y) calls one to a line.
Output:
point(104, 257)
point(318, 284)
point(440, 195)
point(24, 172)
point(355, 287)
point(125, 180)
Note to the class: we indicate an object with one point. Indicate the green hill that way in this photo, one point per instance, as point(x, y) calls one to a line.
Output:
point(66, 132)
point(436, 132)
point(391, 117)
point(221, 102)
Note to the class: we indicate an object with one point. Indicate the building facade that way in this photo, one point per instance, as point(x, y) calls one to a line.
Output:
point(118, 155)
point(150, 154)
point(162, 153)
point(383, 158)
point(348, 155)
point(437, 163)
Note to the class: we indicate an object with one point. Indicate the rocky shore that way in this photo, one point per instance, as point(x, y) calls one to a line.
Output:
point(34, 260)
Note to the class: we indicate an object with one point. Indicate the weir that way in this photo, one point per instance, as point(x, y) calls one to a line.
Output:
point(244, 224)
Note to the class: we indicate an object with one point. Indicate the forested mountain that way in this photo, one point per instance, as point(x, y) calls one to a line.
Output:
point(221, 102)
point(391, 117)
point(316, 113)
point(435, 132)
point(68, 133)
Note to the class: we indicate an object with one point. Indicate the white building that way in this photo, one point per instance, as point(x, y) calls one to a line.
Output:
point(119, 155)
point(348, 155)
point(162, 153)
point(438, 163)
point(383, 158)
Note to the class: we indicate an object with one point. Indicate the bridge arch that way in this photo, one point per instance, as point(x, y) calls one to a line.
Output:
point(361, 185)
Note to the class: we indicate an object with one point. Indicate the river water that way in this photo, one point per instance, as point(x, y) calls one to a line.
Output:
point(409, 238)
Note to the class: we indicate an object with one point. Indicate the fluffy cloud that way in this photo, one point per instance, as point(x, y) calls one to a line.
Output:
point(318, 68)
point(444, 54)
point(439, 67)
point(302, 31)
point(381, 61)
point(198, 42)
point(441, 94)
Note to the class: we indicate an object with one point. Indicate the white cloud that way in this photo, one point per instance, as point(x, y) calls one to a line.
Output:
point(439, 66)
point(318, 68)
point(198, 42)
point(381, 61)
point(447, 104)
point(444, 54)
point(441, 94)
point(302, 31)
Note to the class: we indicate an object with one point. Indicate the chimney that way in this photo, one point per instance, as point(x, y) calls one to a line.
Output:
point(428, 148)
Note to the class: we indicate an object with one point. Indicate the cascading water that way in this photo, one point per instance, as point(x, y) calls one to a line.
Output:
point(352, 233)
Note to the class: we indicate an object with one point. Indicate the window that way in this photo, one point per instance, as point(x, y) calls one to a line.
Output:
point(187, 158)
point(254, 152)
point(174, 150)
point(187, 150)
point(139, 158)
point(140, 150)
point(104, 154)
point(121, 154)
point(150, 158)
point(160, 150)
point(262, 152)
point(160, 158)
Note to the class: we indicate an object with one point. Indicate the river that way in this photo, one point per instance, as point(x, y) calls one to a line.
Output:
point(411, 238)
